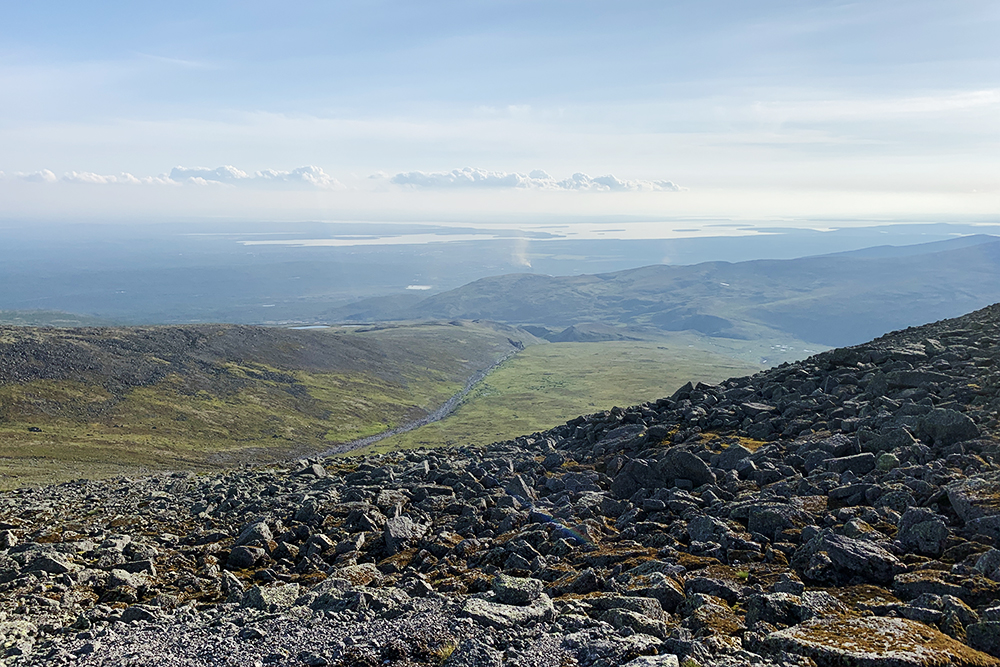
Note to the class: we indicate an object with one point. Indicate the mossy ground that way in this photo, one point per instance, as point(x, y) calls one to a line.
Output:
point(547, 384)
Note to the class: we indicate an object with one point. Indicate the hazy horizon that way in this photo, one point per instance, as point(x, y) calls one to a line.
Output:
point(391, 111)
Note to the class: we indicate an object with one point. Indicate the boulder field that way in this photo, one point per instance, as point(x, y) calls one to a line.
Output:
point(842, 510)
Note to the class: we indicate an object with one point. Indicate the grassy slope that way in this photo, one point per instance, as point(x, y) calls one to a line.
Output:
point(110, 401)
point(547, 384)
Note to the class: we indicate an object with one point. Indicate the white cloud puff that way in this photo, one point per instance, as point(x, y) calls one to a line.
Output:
point(43, 176)
point(309, 175)
point(226, 174)
point(469, 177)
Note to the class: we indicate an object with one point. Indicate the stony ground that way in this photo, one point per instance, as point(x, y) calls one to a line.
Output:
point(844, 510)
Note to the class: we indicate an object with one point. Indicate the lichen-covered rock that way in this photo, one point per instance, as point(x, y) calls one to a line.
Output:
point(517, 590)
point(973, 589)
point(499, 615)
point(271, 598)
point(876, 642)
point(975, 497)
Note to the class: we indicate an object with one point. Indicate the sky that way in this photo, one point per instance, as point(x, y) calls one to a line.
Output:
point(483, 109)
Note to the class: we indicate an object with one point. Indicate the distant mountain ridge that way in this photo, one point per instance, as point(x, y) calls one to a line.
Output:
point(835, 300)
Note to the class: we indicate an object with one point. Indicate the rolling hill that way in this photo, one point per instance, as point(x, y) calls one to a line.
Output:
point(89, 402)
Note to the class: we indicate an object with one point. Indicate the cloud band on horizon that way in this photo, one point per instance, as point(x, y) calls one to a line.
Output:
point(470, 177)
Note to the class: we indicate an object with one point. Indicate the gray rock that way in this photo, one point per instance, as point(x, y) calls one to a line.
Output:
point(679, 464)
point(141, 612)
point(648, 606)
point(400, 532)
point(662, 588)
point(634, 475)
point(986, 525)
point(668, 660)
point(623, 618)
point(519, 488)
point(886, 440)
point(872, 642)
point(943, 427)
point(502, 616)
point(517, 590)
point(241, 558)
point(975, 497)
point(7, 539)
point(271, 598)
point(859, 464)
point(730, 457)
point(838, 560)
point(923, 531)
point(314, 470)
point(988, 564)
point(254, 532)
point(52, 565)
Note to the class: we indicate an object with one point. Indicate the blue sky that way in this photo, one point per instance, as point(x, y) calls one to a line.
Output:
point(367, 109)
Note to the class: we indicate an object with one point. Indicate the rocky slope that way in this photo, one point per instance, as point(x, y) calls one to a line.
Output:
point(844, 510)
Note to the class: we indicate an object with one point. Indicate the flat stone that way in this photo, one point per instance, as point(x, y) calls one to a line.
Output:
point(974, 590)
point(517, 590)
point(623, 618)
point(51, 565)
point(501, 616)
point(875, 642)
point(975, 497)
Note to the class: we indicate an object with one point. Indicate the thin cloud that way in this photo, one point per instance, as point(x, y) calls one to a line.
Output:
point(309, 176)
point(90, 178)
point(470, 177)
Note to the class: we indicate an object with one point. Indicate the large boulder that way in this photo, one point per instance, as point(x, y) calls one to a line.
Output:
point(840, 561)
point(875, 642)
point(679, 464)
point(943, 427)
